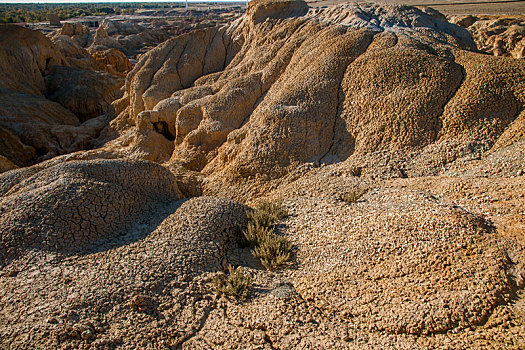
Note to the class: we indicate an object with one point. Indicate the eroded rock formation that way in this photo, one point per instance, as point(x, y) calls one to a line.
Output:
point(389, 103)
point(86, 93)
point(48, 107)
point(192, 239)
point(264, 96)
point(128, 37)
point(113, 61)
point(498, 35)
point(70, 206)
point(72, 40)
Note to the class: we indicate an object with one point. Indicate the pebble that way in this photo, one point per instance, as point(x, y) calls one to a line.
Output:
point(86, 334)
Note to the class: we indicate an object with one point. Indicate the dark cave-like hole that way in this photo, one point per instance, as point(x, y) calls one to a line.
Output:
point(162, 128)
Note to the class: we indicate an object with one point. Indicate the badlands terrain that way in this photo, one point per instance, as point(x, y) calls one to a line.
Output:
point(393, 140)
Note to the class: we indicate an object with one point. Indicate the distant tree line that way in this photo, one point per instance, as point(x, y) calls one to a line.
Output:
point(30, 13)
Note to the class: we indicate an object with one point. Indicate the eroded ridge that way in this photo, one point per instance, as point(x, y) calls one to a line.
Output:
point(317, 86)
point(394, 148)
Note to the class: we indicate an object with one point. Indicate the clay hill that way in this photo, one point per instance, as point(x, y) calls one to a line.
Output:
point(499, 35)
point(108, 39)
point(49, 106)
point(394, 146)
point(129, 38)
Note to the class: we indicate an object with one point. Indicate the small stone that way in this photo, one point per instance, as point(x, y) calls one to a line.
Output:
point(87, 334)
point(11, 273)
point(283, 291)
point(520, 172)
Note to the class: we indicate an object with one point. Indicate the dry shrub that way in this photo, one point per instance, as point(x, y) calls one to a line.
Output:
point(352, 196)
point(271, 249)
point(254, 233)
point(265, 214)
point(235, 283)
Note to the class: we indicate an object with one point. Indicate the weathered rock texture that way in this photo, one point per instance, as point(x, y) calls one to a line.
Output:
point(498, 35)
point(113, 61)
point(78, 32)
point(86, 93)
point(385, 277)
point(111, 44)
point(126, 36)
point(48, 108)
point(280, 88)
point(25, 55)
point(72, 42)
point(193, 238)
point(302, 106)
point(68, 207)
point(6, 164)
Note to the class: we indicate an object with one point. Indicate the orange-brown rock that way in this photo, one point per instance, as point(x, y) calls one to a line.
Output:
point(34, 77)
point(117, 193)
point(126, 36)
point(394, 146)
point(78, 32)
point(113, 61)
point(261, 97)
point(73, 52)
point(86, 93)
point(75, 55)
point(6, 164)
point(498, 35)
point(25, 55)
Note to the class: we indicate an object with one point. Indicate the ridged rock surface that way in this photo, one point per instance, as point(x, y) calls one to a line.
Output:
point(48, 108)
point(307, 107)
point(498, 35)
point(128, 37)
point(260, 97)
point(384, 277)
point(184, 240)
point(25, 55)
point(86, 93)
point(113, 61)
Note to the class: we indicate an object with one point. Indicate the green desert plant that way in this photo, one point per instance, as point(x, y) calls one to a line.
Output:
point(234, 283)
point(271, 249)
point(254, 233)
point(265, 214)
point(351, 196)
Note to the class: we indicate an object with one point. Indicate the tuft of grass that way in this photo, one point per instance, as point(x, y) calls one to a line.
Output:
point(254, 233)
point(271, 249)
point(351, 196)
point(235, 283)
point(265, 214)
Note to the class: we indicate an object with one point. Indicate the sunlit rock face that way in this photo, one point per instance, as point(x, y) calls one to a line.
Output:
point(394, 147)
point(283, 86)
point(48, 107)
